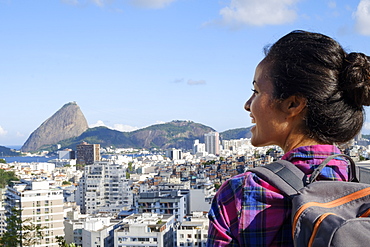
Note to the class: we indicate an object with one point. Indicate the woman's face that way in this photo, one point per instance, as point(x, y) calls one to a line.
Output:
point(270, 123)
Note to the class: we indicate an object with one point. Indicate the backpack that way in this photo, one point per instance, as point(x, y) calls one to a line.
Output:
point(324, 213)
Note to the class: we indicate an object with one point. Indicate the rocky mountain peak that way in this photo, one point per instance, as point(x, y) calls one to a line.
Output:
point(66, 123)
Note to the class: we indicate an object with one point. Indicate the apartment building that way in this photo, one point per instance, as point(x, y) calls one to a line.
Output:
point(2, 212)
point(193, 231)
point(146, 229)
point(87, 154)
point(212, 143)
point(89, 231)
point(104, 189)
point(172, 202)
point(40, 204)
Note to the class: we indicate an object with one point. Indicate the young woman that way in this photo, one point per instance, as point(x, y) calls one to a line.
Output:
point(308, 96)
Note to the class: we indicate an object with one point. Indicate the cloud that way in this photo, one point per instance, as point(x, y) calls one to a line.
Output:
point(124, 128)
point(99, 123)
point(332, 4)
point(152, 4)
point(119, 127)
point(178, 80)
point(70, 2)
point(3, 132)
point(99, 3)
point(19, 134)
point(259, 13)
point(199, 82)
point(362, 17)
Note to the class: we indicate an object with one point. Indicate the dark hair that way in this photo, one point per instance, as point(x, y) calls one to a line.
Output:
point(335, 84)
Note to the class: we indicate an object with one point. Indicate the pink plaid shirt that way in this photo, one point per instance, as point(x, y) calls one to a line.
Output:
point(247, 211)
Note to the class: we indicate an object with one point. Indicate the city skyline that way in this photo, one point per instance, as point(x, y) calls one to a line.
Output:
point(134, 63)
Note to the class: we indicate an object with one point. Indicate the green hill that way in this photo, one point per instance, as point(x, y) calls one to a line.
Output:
point(236, 133)
point(4, 151)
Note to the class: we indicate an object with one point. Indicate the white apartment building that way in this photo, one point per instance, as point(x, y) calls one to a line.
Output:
point(88, 231)
point(174, 154)
point(41, 204)
point(198, 147)
point(212, 142)
point(193, 231)
point(2, 212)
point(146, 229)
point(172, 202)
point(104, 189)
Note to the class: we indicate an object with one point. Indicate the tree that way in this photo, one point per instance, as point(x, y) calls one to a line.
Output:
point(31, 233)
point(62, 242)
point(20, 232)
point(6, 177)
point(129, 166)
point(66, 183)
point(217, 186)
point(3, 161)
point(12, 237)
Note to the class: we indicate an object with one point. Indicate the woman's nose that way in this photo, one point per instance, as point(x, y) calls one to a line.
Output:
point(247, 105)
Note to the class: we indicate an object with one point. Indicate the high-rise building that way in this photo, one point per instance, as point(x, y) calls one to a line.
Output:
point(174, 154)
point(40, 204)
point(87, 154)
point(212, 142)
point(2, 212)
point(104, 189)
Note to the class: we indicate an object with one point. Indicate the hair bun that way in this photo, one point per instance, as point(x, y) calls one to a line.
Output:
point(356, 78)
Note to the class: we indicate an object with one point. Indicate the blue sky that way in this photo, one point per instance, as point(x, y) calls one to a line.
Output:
point(132, 63)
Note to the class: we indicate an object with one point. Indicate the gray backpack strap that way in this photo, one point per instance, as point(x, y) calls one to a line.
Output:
point(352, 172)
point(283, 175)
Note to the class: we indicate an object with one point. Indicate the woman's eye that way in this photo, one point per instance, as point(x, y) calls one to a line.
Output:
point(254, 91)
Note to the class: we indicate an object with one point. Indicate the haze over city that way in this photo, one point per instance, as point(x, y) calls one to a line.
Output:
point(133, 63)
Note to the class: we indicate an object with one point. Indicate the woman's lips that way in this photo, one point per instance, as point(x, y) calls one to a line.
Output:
point(252, 119)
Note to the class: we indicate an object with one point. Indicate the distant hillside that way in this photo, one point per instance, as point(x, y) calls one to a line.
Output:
point(67, 122)
point(236, 133)
point(175, 134)
point(4, 151)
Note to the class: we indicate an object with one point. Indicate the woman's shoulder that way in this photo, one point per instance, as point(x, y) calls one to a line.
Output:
point(246, 180)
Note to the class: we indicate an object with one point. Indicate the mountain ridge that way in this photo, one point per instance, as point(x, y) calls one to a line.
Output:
point(67, 122)
point(68, 128)
point(174, 134)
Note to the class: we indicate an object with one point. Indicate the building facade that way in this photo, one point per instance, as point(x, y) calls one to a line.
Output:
point(104, 189)
point(172, 202)
point(40, 204)
point(193, 231)
point(87, 154)
point(146, 229)
point(212, 142)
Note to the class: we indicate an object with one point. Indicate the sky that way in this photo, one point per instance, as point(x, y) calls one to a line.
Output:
point(130, 64)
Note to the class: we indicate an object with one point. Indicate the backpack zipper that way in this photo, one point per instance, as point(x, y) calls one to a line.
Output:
point(340, 201)
point(365, 214)
point(316, 227)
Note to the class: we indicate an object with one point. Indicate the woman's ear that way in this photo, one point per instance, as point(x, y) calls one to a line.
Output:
point(294, 105)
